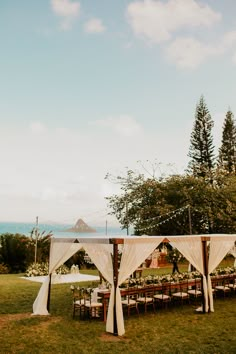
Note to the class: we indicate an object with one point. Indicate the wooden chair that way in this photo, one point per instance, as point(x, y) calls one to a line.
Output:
point(130, 302)
point(147, 299)
point(78, 303)
point(194, 292)
point(232, 286)
point(93, 308)
point(181, 295)
point(162, 297)
point(222, 290)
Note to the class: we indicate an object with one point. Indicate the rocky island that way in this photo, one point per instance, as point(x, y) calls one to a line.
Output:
point(81, 227)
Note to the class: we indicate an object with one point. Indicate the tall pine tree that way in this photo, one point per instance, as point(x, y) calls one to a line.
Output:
point(201, 149)
point(227, 151)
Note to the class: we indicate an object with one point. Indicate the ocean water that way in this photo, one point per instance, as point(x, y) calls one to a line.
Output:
point(58, 230)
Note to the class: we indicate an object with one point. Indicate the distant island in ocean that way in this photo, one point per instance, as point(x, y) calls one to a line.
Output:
point(81, 227)
point(58, 229)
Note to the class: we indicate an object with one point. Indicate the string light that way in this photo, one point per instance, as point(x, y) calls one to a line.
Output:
point(169, 213)
point(175, 213)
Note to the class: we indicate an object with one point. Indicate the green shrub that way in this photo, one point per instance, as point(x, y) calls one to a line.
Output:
point(38, 269)
point(3, 269)
point(63, 269)
point(14, 252)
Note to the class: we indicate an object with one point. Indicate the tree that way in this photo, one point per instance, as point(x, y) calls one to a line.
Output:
point(14, 252)
point(40, 242)
point(227, 151)
point(201, 149)
point(161, 207)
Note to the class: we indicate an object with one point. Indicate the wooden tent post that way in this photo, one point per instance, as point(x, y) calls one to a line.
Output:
point(50, 279)
point(115, 277)
point(49, 292)
point(205, 268)
point(115, 243)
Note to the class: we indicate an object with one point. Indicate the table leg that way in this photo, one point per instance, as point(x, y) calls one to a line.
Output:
point(104, 310)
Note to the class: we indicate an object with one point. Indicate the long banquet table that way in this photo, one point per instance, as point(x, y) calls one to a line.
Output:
point(165, 287)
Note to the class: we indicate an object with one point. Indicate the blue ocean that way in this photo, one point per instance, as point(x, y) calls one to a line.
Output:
point(58, 230)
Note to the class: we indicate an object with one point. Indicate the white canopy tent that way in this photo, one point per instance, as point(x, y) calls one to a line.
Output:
point(134, 250)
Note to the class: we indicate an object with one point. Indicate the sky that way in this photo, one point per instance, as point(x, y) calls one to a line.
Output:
point(92, 87)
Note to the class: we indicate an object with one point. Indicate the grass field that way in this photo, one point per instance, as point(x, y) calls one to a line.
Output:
point(173, 330)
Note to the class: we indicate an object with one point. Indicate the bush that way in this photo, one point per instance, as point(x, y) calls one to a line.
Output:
point(38, 269)
point(14, 252)
point(63, 269)
point(3, 269)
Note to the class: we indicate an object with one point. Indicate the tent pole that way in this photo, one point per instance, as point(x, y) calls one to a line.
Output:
point(50, 278)
point(49, 292)
point(205, 269)
point(115, 279)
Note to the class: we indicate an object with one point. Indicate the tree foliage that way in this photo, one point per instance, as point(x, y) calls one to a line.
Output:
point(14, 252)
point(176, 205)
point(184, 204)
point(17, 251)
point(201, 149)
point(227, 151)
point(39, 243)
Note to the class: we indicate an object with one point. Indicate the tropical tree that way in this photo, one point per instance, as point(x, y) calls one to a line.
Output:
point(201, 149)
point(227, 151)
point(39, 243)
point(177, 205)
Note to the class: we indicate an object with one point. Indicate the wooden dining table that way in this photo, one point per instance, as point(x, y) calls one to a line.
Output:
point(140, 290)
point(164, 287)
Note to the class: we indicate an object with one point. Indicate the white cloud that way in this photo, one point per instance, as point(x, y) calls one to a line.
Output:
point(229, 39)
point(229, 43)
point(60, 177)
point(190, 53)
point(234, 58)
point(68, 10)
point(156, 21)
point(37, 127)
point(94, 25)
point(123, 125)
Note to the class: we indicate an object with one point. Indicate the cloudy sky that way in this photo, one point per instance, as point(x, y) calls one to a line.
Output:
point(90, 87)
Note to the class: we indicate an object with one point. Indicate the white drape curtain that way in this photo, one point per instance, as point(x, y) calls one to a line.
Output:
point(59, 253)
point(219, 247)
point(233, 252)
point(191, 249)
point(134, 253)
point(101, 255)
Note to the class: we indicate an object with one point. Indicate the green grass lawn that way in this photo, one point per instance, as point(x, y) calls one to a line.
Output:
point(173, 330)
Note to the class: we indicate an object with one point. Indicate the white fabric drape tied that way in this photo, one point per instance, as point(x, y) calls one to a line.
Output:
point(59, 253)
point(233, 253)
point(219, 247)
point(134, 252)
point(191, 249)
point(101, 255)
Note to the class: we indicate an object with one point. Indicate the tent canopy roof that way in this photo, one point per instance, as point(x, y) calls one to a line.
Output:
point(106, 239)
